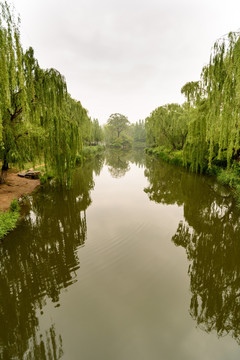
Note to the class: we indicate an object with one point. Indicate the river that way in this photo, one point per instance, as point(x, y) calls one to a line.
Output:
point(139, 260)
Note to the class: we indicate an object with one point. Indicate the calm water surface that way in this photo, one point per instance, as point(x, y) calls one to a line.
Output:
point(140, 260)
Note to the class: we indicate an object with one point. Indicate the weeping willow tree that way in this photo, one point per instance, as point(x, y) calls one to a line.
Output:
point(195, 147)
point(37, 115)
point(60, 119)
point(215, 104)
point(222, 82)
point(167, 125)
point(13, 94)
point(211, 112)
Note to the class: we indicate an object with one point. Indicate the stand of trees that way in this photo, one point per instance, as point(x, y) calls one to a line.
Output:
point(97, 132)
point(119, 133)
point(38, 118)
point(167, 126)
point(206, 127)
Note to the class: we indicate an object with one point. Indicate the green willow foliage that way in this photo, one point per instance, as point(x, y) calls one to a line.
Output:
point(167, 125)
point(221, 80)
point(210, 119)
point(37, 115)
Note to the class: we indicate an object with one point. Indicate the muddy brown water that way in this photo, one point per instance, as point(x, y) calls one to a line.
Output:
point(139, 260)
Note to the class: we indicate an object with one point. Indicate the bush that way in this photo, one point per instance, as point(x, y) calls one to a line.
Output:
point(8, 219)
point(172, 157)
point(78, 159)
point(237, 195)
point(230, 177)
point(45, 177)
point(213, 171)
point(89, 151)
point(14, 206)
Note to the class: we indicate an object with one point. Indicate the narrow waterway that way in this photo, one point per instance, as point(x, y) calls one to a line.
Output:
point(139, 260)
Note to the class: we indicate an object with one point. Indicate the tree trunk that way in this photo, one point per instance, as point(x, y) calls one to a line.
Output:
point(4, 170)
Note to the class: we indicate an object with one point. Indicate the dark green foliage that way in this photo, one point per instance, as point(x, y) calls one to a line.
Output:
point(14, 206)
point(47, 176)
point(171, 157)
point(8, 220)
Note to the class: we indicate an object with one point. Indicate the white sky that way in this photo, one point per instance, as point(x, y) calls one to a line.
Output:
point(126, 56)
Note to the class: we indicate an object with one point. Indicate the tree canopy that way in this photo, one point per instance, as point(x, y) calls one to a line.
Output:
point(118, 122)
point(167, 125)
point(38, 118)
point(118, 132)
point(209, 122)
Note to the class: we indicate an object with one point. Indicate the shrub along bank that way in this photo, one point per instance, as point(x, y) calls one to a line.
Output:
point(8, 219)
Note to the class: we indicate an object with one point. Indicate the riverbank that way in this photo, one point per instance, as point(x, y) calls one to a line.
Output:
point(171, 157)
point(14, 188)
point(229, 177)
point(9, 219)
point(10, 192)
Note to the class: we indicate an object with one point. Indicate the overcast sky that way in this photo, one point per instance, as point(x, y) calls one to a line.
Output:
point(125, 56)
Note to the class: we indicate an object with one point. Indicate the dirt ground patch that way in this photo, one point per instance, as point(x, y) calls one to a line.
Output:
point(14, 188)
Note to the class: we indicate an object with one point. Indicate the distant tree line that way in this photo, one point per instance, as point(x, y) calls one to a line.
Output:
point(207, 126)
point(38, 117)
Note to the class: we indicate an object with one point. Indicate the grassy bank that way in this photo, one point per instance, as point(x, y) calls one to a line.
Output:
point(8, 219)
point(171, 157)
point(230, 177)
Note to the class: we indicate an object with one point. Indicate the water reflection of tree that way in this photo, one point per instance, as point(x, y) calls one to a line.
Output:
point(137, 156)
point(118, 161)
point(36, 262)
point(97, 163)
point(211, 236)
